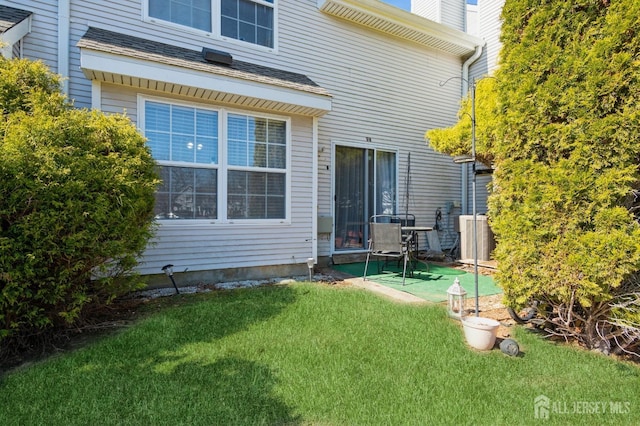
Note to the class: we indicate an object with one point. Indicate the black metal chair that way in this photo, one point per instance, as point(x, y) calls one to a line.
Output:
point(386, 240)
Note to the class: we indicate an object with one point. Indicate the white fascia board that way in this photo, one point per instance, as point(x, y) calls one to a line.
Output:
point(15, 34)
point(372, 10)
point(115, 64)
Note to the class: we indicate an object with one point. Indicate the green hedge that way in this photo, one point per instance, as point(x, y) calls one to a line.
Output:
point(560, 124)
point(566, 178)
point(77, 201)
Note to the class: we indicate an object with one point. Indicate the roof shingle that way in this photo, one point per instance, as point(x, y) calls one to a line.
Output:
point(10, 17)
point(139, 48)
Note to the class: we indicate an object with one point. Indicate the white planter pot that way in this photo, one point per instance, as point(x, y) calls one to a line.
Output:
point(480, 332)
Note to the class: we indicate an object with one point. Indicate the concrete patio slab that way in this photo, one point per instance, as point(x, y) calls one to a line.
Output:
point(399, 296)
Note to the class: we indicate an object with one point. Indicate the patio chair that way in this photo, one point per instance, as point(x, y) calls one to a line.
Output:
point(386, 240)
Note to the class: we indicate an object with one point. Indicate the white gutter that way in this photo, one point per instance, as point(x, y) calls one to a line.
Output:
point(464, 190)
point(64, 19)
point(314, 191)
point(465, 68)
point(394, 21)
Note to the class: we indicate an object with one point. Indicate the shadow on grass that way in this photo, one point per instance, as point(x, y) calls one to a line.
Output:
point(230, 390)
point(171, 368)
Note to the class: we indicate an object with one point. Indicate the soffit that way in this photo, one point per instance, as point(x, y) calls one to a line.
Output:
point(394, 21)
point(14, 25)
point(132, 61)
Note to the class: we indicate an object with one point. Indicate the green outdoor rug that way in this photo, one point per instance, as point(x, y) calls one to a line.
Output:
point(429, 285)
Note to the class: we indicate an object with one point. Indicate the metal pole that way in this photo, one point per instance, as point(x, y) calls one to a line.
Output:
point(174, 284)
point(473, 191)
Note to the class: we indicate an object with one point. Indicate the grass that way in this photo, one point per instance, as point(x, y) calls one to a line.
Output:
point(312, 354)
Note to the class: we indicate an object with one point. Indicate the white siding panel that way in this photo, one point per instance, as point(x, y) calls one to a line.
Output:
point(42, 42)
point(489, 24)
point(119, 99)
point(429, 9)
point(220, 246)
point(453, 14)
point(447, 12)
point(383, 88)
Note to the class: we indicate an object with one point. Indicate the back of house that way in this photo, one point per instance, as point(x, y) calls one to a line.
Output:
point(278, 126)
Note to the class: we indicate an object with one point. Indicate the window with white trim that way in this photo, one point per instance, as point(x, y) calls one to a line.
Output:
point(248, 20)
point(257, 151)
point(190, 13)
point(186, 142)
point(252, 21)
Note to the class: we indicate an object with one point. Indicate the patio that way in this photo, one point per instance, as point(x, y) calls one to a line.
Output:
point(428, 284)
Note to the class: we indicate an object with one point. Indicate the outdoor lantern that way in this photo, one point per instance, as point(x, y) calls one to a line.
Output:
point(310, 262)
point(457, 297)
point(168, 270)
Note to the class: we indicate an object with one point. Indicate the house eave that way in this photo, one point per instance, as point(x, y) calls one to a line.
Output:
point(180, 81)
point(396, 22)
point(13, 35)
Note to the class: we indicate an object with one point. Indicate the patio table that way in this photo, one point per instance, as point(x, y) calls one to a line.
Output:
point(416, 238)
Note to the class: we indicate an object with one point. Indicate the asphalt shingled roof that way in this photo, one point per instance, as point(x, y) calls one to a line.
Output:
point(125, 45)
point(10, 16)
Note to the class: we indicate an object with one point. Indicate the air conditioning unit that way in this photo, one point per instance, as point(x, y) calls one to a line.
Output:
point(486, 242)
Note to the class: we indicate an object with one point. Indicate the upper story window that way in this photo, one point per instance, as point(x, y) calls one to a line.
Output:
point(190, 13)
point(248, 20)
point(251, 21)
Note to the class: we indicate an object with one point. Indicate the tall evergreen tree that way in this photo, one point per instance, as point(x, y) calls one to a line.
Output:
point(566, 149)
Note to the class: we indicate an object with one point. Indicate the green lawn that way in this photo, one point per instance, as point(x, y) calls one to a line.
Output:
point(313, 354)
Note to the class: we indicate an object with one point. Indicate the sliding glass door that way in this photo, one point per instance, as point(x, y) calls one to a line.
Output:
point(365, 184)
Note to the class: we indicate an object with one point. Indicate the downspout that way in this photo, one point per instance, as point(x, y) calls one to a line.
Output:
point(64, 19)
point(314, 191)
point(464, 192)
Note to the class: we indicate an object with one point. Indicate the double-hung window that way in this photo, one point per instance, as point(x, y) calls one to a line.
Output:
point(257, 150)
point(252, 21)
point(248, 20)
point(184, 142)
point(216, 164)
point(190, 13)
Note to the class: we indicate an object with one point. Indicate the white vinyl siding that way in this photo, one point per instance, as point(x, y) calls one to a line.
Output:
point(447, 12)
point(201, 245)
point(383, 88)
point(453, 14)
point(42, 42)
point(489, 23)
point(429, 9)
point(489, 26)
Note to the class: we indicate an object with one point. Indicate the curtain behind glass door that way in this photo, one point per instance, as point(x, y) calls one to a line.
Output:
point(365, 184)
point(385, 183)
point(350, 197)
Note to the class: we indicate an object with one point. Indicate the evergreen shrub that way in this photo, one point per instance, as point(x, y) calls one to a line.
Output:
point(77, 202)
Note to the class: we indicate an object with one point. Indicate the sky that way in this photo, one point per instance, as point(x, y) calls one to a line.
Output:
point(402, 4)
point(406, 4)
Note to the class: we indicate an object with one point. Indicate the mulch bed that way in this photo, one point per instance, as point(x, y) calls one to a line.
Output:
point(25, 350)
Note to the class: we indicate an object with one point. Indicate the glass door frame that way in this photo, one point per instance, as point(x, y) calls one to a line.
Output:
point(370, 195)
